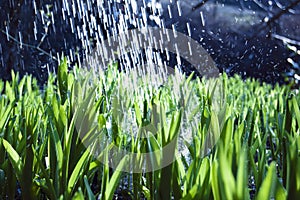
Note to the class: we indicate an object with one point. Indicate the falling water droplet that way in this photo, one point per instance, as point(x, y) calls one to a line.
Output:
point(72, 25)
point(34, 30)
point(174, 30)
point(202, 18)
point(34, 6)
point(179, 8)
point(190, 49)
point(188, 29)
point(52, 18)
point(169, 10)
point(2, 62)
point(63, 14)
point(177, 55)
point(20, 38)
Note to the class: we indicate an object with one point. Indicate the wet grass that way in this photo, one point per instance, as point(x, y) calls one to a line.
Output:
point(241, 138)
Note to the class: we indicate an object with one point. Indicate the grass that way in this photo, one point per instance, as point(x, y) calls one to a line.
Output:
point(234, 139)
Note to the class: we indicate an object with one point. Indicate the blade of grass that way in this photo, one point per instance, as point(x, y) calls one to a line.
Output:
point(15, 159)
point(77, 172)
point(266, 191)
point(90, 194)
point(115, 178)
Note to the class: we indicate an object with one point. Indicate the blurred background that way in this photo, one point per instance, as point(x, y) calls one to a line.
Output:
point(257, 38)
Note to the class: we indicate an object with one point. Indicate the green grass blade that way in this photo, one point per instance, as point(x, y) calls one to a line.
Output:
point(192, 193)
point(48, 186)
point(55, 154)
point(62, 76)
point(82, 162)
point(77, 196)
point(242, 177)
point(115, 178)
point(90, 194)
point(14, 158)
point(215, 181)
point(296, 110)
point(268, 185)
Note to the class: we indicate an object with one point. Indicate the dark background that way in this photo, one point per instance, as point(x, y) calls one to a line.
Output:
point(248, 49)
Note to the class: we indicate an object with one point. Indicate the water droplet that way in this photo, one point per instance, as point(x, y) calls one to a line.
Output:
point(20, 38)
point(188, 29)
point(169, 10)
point(179, 8)
point(7, 34)
point(202, 18)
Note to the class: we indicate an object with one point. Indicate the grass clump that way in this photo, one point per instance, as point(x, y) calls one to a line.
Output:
point(75, 138)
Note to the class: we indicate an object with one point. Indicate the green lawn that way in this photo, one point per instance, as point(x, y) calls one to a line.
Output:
point(234, 139)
